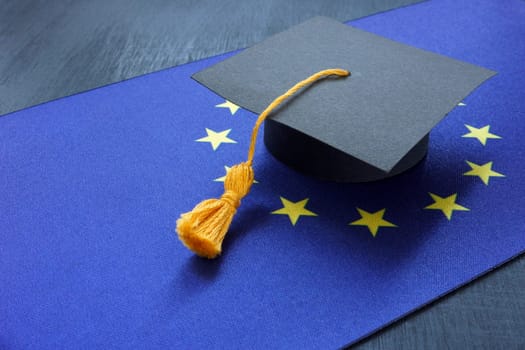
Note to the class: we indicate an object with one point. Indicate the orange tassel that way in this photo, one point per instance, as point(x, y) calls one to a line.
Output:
point(203, 229)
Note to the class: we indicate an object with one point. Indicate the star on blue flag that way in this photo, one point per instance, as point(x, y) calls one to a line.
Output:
point(90, 192)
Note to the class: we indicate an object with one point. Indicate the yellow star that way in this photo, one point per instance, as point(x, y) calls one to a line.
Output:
point(372, 220)
point(482, 134)
point(216, 138)
point(231, 106)
point(446, 205)
point(222, 178)
point(484, 171)
point(294, 210)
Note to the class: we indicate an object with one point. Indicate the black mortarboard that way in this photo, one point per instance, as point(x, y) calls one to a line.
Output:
point(369, 126)
point(365, 127)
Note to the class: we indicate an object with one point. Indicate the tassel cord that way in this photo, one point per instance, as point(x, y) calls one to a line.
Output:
point(203, 229)
point(279, 100)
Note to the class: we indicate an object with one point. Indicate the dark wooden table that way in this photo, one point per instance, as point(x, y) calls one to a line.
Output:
point(53, 49)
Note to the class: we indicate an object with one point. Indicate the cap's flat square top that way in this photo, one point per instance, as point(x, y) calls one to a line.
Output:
point(394, 97)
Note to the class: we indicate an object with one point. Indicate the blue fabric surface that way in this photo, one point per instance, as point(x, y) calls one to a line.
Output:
point(91, 186)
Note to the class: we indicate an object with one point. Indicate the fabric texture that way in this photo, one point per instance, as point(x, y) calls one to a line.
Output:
point(92, 185)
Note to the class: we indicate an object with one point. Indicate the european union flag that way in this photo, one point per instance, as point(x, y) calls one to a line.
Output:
point(91, 186)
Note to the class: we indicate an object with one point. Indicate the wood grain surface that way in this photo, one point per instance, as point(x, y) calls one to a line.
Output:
point(50, 49)
point(487, 314)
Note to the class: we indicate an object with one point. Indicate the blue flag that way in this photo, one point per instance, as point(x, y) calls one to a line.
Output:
point(92, 184)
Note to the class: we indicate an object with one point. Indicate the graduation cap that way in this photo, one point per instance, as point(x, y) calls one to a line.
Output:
point(369, 126)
